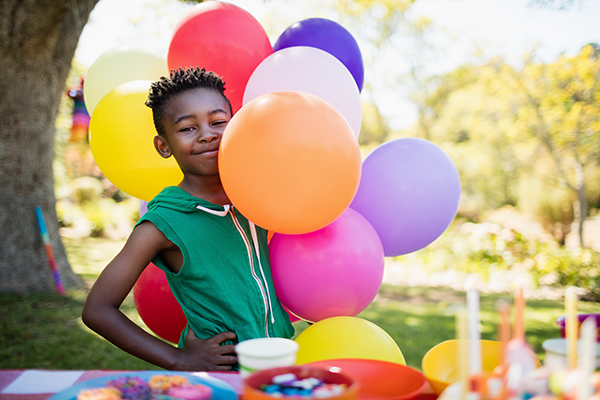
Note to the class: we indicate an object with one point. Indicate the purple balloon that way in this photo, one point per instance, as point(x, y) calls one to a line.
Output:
point(143, 207)
point(329, 36)
point(409, 191)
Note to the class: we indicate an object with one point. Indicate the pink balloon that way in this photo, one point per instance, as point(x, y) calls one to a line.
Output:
point(293, 318)
point(335, 271)
point(309, 70)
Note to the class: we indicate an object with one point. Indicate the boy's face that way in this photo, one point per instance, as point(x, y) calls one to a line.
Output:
point(194, 122)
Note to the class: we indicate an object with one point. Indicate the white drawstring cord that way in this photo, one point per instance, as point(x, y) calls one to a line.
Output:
point(257, 248)
point(215, 212)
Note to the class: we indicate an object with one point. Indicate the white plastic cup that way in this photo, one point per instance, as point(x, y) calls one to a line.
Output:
point(556, 353)
point(258, 354)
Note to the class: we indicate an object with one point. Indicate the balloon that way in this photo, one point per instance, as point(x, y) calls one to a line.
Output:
point(124, 63)
point(326, 35)
point(289, 162)
point(157, 306)
point(310, 70)
point(331, 272)
point(293, 318)
point(143, 207)
point(121, 132)
point(223, 38)
point(346, 337)
point(409, 191)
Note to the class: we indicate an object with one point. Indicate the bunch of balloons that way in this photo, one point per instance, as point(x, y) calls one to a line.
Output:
point(289, 161)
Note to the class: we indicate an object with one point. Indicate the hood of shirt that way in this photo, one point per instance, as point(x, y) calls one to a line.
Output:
point(175, 198)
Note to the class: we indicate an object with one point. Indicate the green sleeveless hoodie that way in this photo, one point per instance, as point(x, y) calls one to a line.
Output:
point(225, 282)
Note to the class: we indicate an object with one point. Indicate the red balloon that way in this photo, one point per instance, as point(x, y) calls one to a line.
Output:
point(223, 38)
point(157, 306)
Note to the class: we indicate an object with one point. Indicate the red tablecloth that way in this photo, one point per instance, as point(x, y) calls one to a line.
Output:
point(7, 376)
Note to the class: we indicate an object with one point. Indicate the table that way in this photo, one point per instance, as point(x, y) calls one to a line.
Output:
point(8, 376)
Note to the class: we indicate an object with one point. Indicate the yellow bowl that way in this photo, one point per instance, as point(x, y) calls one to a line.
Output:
point(440, 363)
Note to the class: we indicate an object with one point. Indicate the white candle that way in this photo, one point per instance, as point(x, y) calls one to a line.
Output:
point(587, 360)
point(473, 333)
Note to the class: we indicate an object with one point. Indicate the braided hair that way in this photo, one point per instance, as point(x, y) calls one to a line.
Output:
point(179, 81)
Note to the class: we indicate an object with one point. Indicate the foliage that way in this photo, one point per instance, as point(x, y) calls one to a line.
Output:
point(551, 205)
point(379, 17)
point(374, 128)
point(568, 268)
point(479, 248)
point(505, 241)
point(503, 126)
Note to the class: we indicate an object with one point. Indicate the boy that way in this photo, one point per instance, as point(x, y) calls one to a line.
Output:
point(216, 261)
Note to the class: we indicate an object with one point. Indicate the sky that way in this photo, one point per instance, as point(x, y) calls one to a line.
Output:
point(509, 28)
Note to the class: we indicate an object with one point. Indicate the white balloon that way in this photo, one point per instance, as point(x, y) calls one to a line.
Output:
point(310, 70)
point(121, 64)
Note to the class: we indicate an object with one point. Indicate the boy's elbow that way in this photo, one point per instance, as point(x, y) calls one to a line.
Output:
point(87, 316)
point(90, 316)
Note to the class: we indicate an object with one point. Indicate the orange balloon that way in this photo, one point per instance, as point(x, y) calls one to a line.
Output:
point(290, 162)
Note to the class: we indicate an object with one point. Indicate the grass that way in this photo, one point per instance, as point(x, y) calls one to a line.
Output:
point(44, 330)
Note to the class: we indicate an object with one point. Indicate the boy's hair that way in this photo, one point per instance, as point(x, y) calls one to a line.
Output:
point(179, 81)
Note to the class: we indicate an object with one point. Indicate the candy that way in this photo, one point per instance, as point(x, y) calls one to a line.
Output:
point(288, 385)
point(284, 378)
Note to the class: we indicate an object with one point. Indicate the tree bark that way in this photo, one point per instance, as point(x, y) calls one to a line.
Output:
point(38, 39)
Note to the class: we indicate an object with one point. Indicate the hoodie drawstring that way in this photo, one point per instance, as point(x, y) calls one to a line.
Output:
point(215, 212)
point(223, 213)
point(257, 248)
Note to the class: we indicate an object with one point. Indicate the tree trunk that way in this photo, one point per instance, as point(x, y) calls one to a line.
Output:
point(582, 203)
point(38, 39)
point(581, 199)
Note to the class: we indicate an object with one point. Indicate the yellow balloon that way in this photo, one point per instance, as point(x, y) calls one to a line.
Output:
point(121, 138)
point(121, 64)
point(346, 337)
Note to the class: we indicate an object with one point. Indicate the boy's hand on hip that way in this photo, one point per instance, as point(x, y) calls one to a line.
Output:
point(208, 354)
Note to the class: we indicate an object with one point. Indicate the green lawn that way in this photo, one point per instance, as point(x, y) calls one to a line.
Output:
point(44, 330)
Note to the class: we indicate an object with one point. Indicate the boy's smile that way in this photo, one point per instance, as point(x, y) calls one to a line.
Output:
point(194, 123)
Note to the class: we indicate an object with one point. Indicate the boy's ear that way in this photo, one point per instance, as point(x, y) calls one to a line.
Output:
point(161, 146)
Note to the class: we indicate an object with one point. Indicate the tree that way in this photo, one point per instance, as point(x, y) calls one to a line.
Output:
point(38, 39)
point(37, 43)
point(558, 105)
point(502, 122)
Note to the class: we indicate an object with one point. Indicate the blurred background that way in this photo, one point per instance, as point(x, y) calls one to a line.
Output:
point(508, 89)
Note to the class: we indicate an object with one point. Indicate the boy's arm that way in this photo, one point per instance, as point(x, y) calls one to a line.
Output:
point(101, 312)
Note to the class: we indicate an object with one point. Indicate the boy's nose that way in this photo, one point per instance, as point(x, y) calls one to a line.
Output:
point(206, 134)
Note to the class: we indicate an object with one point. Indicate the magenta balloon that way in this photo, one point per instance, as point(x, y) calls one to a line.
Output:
point(335, 271)
point(329, 36)
point(409, 191)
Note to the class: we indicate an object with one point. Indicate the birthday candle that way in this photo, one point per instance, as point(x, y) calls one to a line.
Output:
point(503, 328)
point(571, 326)
point(463, 350)
point(474, 334)
point(519, 332)
point(587, 362)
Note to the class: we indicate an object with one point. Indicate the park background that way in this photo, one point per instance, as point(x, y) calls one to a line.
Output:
point(509, 90)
